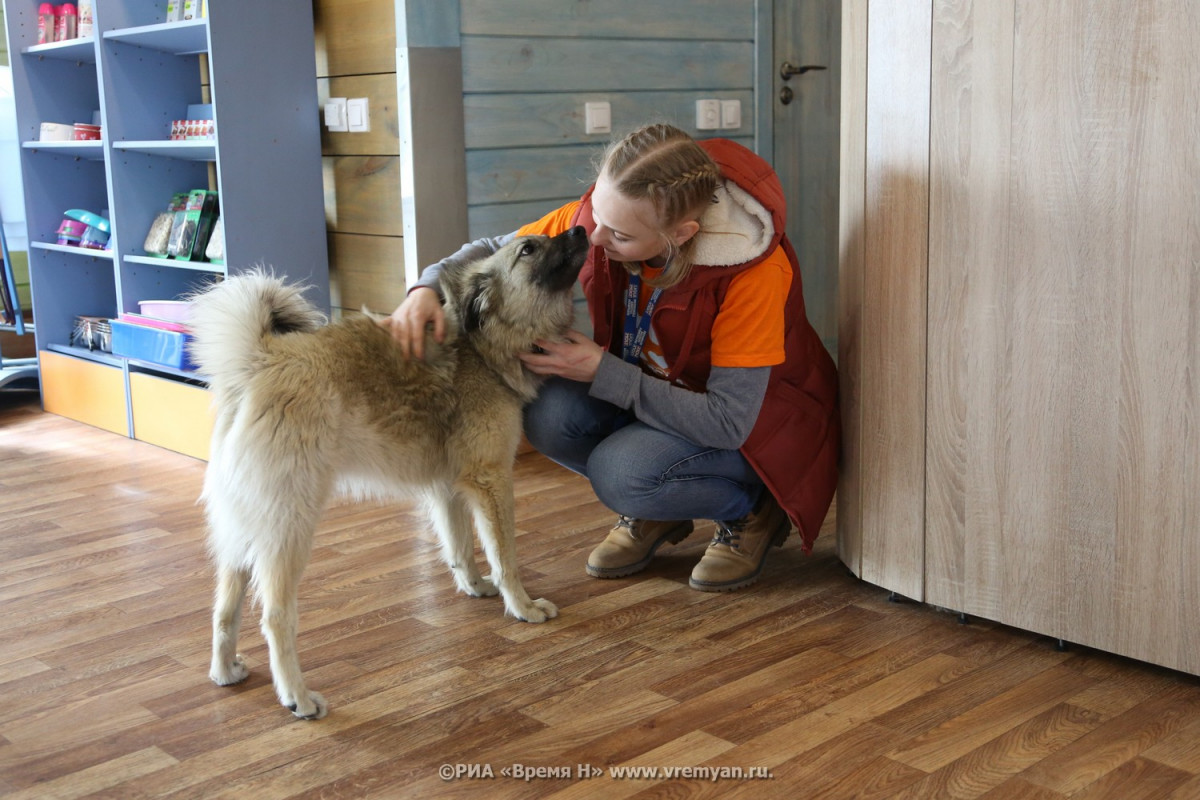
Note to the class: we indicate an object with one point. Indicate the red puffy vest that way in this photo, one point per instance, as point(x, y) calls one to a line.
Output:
point(795, 442)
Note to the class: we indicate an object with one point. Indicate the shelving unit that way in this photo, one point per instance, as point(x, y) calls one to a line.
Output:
point(140, 73)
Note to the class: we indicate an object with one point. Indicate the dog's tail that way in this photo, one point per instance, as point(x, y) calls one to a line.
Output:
point(232, 321)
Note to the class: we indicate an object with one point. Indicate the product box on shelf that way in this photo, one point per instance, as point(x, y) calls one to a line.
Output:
point(192, 226)
point(151, 344)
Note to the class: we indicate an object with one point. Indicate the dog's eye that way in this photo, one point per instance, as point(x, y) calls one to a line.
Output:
point(528, 249)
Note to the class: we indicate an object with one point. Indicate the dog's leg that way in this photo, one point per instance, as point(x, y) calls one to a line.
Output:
point(492, 497)
point(280, 621)
point(452, 520)
point(227, 666)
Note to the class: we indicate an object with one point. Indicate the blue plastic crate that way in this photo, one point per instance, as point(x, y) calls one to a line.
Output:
point(153, 345)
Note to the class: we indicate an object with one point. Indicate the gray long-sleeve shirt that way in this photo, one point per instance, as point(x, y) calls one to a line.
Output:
point(721, 417)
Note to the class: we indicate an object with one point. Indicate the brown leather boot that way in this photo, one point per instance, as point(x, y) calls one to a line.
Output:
point(631, 543)
point(738, 551)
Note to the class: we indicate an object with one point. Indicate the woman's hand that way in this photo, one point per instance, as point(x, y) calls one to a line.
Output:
point(576, 359)
point(407, 323)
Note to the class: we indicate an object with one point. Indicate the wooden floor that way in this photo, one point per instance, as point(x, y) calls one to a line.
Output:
point(811, 682)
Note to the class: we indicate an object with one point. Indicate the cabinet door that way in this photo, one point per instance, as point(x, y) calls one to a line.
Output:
point(1063, 430)
point(882, 287)
point(84, 391)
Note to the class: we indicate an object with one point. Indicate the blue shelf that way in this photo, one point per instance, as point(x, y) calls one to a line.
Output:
point(140, 73)
point(177, 38)
point(75, 251)
point(81, 50)
point(174, 263)
point(183, 150)
point(93, 150)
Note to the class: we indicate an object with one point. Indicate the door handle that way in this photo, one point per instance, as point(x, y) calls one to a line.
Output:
point(787, 70)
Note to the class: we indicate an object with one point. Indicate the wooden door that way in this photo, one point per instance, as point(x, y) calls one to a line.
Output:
point(1064, 321)
point(883, 233)
point(805, 146)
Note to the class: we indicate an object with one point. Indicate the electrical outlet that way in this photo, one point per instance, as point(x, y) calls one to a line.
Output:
point(708, 115)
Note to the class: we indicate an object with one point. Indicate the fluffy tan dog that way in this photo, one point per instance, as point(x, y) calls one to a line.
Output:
point(305, 409)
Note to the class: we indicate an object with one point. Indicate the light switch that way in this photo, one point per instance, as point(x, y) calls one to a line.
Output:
point(335, 114)
point(708, 115)
point(731, 114)
point(358, 115)
point(597, 117)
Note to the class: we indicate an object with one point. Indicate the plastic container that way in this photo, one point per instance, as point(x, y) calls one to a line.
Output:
point(96, 230)
point(47, 23)
point(83, 132)
point(70, 232)
point(68, 22)
point(56, 132)
point(173, 310)
point(86, 19)
point(157, 346)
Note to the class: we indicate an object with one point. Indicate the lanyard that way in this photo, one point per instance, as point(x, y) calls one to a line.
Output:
point(636, 327)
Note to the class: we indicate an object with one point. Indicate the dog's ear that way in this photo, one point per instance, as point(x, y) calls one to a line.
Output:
point(475, 303)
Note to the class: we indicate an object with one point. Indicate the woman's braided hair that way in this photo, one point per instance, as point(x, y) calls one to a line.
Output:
point(664, 165)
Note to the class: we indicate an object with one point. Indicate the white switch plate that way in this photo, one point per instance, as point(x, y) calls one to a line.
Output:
point(708, 115)
point(358, 115)
point(731, 114)
point(597, 117)
point(335, 114)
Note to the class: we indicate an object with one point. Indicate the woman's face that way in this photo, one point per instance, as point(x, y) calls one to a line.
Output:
point(627, 229)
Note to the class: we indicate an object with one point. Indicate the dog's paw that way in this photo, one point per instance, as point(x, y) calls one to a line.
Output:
point(313, 707)
point(229, 674)
point(539, 610)
point(478, 587)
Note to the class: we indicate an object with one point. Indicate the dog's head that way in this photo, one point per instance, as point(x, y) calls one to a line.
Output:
point(523, 292)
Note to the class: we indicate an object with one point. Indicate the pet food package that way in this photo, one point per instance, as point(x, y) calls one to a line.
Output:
point(159, 238)
point(215, 250)
point(189, 234)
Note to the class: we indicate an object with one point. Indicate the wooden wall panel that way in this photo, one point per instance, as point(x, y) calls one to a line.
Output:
point(539, 119)
point(613, 19)
point(384, 137)
point(370, 274)
point(852, 205)
point(500, 63)
point(968, 284)
point(354, 37)
point(530, 65)
point(361, 194)
point(890, 382)
point(356, 57)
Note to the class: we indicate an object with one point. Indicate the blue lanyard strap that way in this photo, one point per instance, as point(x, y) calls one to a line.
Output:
point(636, 326)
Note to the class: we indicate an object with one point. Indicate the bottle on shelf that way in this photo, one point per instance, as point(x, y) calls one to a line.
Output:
point(86, 18)
point(47, 23)
point(68, 21)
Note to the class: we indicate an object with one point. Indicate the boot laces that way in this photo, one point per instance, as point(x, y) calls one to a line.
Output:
point(729, 533)
point(624, 522)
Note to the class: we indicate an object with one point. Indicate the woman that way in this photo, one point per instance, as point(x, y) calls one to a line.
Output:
point(704, 393)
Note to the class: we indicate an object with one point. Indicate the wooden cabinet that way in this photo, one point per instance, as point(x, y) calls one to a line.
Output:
point(255, 63)
point(1020, 314)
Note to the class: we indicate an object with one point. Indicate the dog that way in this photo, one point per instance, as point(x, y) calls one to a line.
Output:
point(305, 409)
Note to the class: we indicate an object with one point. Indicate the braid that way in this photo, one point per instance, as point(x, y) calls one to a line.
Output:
point(663, 164)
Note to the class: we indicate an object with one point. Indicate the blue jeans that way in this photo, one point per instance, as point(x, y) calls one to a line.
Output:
point(637, 470)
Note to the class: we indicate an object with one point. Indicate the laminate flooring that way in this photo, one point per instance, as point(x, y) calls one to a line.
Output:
point(809, 684)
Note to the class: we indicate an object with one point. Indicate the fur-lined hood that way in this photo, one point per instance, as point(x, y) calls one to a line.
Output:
point(735, 230)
